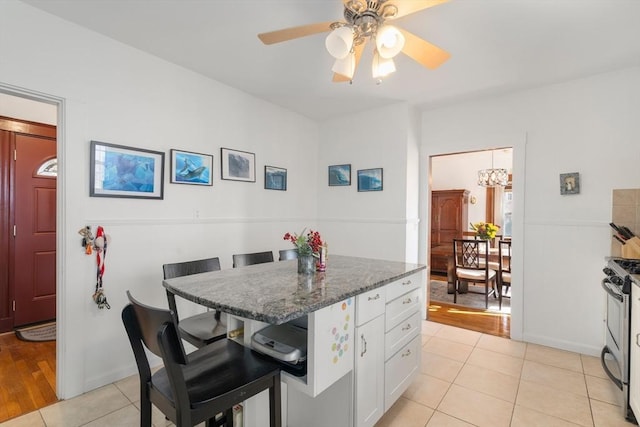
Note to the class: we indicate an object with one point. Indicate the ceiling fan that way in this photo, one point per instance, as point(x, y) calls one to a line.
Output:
point(364, 21)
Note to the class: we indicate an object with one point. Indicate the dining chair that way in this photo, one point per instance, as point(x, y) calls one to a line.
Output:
point(200, 329)
point(241, 260)
point(201, 386)
point(470, 265)
point(286, 254)
point(504, 271)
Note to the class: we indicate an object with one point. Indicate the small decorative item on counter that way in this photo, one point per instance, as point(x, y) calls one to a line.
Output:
point(485, 230)
point(321, 264)
point(308, 246)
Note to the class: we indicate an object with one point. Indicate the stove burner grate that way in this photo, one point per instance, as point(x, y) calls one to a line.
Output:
point(631, 266)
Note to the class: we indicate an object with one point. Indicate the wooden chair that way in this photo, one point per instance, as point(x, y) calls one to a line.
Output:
point(241, 260)
point(470, 265)
point(193, 388)
point(286, 254)
point(504, 270)
point(200, 329)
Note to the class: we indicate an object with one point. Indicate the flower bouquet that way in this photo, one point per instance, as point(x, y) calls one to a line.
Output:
point(309, 245)
point(485, 230)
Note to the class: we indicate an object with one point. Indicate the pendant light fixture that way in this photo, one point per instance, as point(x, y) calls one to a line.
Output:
point(494, 177)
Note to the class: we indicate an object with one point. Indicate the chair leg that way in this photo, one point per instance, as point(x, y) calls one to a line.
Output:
point(145, 412)
point(229, 417)
point(486, 295)
point(275, 407)
point(455, 290)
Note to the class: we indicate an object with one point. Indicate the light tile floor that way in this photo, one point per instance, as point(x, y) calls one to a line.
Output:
point(467, 379)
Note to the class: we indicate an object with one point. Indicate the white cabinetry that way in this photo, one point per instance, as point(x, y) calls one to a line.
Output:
point(634, 366)
point(369, 357)
point(402, 337)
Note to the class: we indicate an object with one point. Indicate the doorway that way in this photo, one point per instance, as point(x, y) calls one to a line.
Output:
point(30, 211)
point(456, 201)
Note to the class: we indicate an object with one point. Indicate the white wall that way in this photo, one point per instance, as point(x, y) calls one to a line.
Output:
point(375, 224)
point(113, 93)
point(587, 126)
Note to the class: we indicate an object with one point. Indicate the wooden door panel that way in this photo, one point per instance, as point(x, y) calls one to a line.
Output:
point(35, 239)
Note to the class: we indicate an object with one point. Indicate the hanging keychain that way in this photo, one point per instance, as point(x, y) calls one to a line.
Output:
point(100, 242)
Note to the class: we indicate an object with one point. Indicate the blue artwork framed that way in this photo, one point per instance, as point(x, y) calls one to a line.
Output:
point(275, 178)
point(191, 168)
point(238, 165)
point(370, 179)
point(339, 175)
point(121, 171)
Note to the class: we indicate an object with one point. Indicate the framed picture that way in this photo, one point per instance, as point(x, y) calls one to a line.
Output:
point(120, 171)
point(238, 165)
point(370, 179)
point(191, 168)
point(569, 183)
point(339, 175)
point(275, 178)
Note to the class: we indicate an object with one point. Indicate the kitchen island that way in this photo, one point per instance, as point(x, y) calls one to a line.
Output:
point(363, 319)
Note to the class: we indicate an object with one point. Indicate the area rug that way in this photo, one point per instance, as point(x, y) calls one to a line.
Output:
point(45, 332)
point(473, 298)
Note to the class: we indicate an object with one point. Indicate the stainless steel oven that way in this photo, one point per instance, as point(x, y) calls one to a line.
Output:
point(615, 354)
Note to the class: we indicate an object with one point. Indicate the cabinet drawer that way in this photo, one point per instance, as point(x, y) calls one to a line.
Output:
point(400, 371)
point(400, 335)
point(400, 308)
point(402, 286)
point(370, 305)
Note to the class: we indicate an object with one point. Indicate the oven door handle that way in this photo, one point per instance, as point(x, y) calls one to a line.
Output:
point(615, 380)
point(606, 285)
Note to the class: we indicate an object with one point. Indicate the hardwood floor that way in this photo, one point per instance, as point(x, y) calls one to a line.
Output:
point(484, 321)
point(27, 375)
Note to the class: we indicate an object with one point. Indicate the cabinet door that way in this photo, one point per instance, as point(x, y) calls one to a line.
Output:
point(634, 380)
point(369, 356)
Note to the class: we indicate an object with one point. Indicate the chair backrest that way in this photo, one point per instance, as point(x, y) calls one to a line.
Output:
point(187, 268)
point(143, 324)
point(179, 269)
point(470, 253)
point(504, 255)
point(286, 254)
point(240, 260)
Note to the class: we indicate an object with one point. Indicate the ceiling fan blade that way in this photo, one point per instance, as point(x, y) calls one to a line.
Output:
point(406, 7)
point(339, 78)
point(294, 32)
point(423, 52)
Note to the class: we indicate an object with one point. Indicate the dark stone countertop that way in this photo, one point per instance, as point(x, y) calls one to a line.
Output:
point(275, 293)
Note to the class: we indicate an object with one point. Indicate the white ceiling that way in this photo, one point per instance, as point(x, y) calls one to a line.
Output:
point(496, 46)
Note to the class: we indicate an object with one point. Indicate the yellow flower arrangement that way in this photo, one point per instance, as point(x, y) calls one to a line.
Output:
point(485, 230)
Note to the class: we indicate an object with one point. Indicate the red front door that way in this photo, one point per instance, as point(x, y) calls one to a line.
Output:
point(34, 261)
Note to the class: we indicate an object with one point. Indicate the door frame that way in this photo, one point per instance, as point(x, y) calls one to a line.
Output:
point(61, 293)
point(518, 142)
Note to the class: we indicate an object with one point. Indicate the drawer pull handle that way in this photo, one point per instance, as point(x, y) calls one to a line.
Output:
point(408, 353)
point(408, 282)
point(638, 340)
point(374, 298)
point(407, 301)
point(364, 346)
point(406, 328)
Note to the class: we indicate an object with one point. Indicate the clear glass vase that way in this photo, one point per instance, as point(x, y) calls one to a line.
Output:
point(306, 264)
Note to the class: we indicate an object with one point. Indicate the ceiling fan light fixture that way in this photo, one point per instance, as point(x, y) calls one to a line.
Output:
point(381, 67)
point(345, 66)
point(339, 42)
point(389, 41)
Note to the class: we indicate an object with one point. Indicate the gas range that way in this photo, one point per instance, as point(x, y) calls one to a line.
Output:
point(623, 267)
